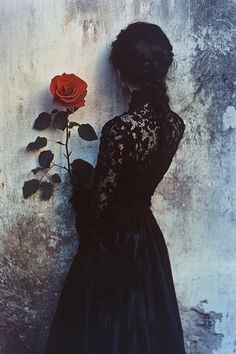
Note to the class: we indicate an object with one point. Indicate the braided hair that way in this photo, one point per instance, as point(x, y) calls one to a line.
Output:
point(143, 54)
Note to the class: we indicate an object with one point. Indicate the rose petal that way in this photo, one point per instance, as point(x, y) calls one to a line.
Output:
point(68, 90)
point(54, 84)
point(58, 102)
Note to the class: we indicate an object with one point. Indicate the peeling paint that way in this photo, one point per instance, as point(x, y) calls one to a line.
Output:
point(201, 336)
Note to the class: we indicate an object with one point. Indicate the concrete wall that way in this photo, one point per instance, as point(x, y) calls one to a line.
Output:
point(195, 204)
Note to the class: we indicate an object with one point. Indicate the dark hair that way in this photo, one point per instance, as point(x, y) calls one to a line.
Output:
point(143, 54)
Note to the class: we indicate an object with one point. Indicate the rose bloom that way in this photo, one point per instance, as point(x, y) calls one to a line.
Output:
point(68, 90)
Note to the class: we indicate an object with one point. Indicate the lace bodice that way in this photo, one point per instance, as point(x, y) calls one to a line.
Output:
point(135, 152)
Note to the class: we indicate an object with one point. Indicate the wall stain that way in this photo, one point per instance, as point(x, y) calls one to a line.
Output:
point(75, 8)
point(36, 257)
point(199, 329)
point(90, 30)
point(137, 8)
point(212, 63)
point(72, 11)
point(177, 190)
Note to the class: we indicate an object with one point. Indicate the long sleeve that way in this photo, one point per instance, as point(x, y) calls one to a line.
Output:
point(91, 204)
point(111, 161)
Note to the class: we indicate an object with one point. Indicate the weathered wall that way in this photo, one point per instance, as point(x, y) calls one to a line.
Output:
point(195, 204)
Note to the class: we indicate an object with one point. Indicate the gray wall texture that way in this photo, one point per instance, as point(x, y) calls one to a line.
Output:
point(195, 204)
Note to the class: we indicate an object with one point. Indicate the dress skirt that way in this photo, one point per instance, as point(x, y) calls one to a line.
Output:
point(119, 295)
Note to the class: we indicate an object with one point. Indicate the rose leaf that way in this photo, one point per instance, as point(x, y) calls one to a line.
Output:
point(30, 187)
point(73, 124)
point(37, 144)
point(56, 178)
point(60, 120)
point(82, 173)
point(43, 121)
point(47, 189)
point(45, 158)
point(36, 170)
point(87, 132)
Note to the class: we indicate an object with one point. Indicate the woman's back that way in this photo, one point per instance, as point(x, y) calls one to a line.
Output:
point(146, 143)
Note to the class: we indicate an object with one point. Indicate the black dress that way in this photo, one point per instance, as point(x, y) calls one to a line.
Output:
point(119, 295)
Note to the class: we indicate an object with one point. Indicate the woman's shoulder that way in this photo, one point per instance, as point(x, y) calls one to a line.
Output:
point(119, 124)
point(128, 119)
point(123, 124)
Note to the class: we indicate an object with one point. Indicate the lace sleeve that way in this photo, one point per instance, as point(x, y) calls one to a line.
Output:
point(110, 164)
point(93, 203)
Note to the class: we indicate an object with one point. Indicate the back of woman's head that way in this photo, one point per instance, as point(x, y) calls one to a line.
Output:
point(143, 54)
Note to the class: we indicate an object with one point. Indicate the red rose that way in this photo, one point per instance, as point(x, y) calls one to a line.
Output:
point(68, 90)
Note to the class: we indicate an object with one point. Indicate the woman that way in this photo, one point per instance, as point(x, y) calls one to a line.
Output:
point(119, 295)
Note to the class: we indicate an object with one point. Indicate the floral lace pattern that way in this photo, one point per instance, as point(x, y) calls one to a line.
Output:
point(135, 151)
